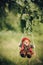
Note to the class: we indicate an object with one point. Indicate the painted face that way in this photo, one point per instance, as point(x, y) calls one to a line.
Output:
point(26, 42)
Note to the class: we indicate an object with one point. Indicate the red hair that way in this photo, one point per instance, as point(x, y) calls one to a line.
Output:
point(25, 39)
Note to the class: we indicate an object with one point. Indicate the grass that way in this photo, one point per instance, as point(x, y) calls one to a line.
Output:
point(9, 49)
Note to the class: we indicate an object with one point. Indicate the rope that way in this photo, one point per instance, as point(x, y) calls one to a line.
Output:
point(33, 42)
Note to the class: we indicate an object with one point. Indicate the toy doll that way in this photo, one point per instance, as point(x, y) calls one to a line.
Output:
point(26, 49)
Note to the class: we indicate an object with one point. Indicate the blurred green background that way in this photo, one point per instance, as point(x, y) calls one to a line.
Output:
point(18, 19)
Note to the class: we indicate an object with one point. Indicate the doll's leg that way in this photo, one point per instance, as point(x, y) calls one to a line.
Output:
point(23, 53)
point(29, 55)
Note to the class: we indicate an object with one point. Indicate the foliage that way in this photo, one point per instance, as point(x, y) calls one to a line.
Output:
point(27, 10)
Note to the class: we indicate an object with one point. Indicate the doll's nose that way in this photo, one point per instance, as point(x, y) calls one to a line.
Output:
point(26, 42)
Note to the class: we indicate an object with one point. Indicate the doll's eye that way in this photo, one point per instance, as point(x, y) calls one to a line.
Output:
point(25, 43)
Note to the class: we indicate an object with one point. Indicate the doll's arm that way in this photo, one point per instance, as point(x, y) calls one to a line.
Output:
point(32, 46)
point(20, 45)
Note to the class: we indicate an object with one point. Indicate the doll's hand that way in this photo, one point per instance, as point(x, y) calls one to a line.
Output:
point(21, 48)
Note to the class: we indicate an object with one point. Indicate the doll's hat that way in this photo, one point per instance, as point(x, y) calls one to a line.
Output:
point(25, 38)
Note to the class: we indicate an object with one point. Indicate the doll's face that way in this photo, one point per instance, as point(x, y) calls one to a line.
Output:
point(26, 42)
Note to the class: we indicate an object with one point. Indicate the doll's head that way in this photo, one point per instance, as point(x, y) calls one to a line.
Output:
point(26, 41)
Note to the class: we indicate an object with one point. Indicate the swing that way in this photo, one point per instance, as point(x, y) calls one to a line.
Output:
point(29, 52)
